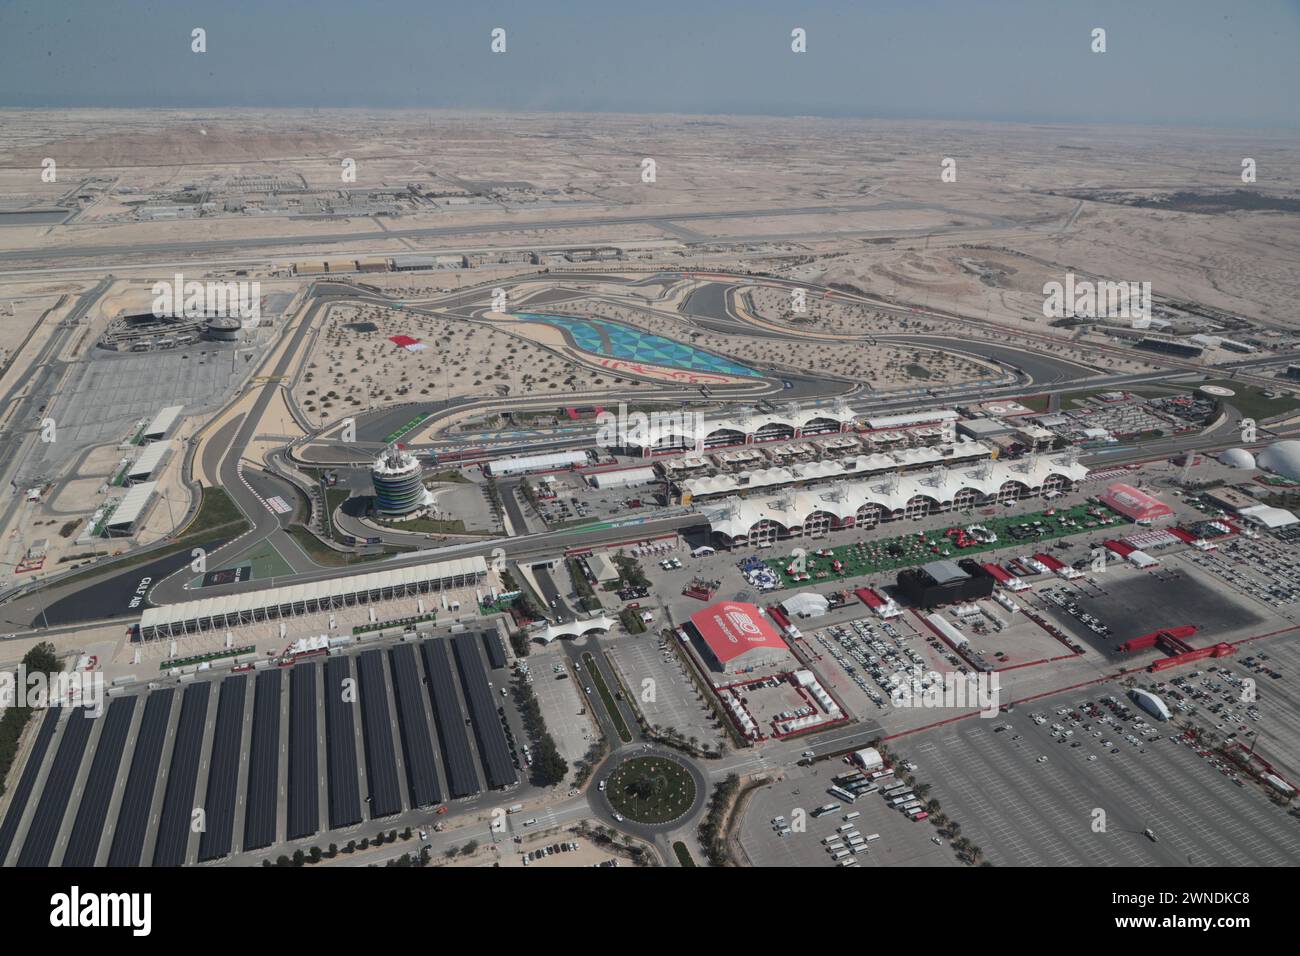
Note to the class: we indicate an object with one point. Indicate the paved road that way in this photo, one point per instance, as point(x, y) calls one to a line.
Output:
point(124, 250)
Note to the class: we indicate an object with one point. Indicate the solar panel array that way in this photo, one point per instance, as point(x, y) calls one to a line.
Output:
point(88, 830)
point(178, 801)
point(137, 799)
point(223, 770)
point(496, 653)
point(448, 718)
point(303, 815)
point(340, 730)
point(377, 731)
point(263, 762)
point(488, 731)
point(26, 782)
point(43, 829)
point(417, 744)
point(65, 743)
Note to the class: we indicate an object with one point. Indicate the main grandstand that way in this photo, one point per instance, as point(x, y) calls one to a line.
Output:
point(268, 604)
point(796, 512)
point(677, 432)
point(697, 490)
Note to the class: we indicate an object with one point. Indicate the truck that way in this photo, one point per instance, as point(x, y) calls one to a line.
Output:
point(514, 808)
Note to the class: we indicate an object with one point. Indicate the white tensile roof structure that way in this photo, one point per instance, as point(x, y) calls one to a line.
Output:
point(232, 610)
point(849, 467)
point(661, 430)
point(575, 628)
point(735, 517)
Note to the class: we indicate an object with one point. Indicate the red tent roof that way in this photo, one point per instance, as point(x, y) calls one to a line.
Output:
point(999, 575)
point(731, 629)
point(1134, 504)
point(870, 598)
point(403, 340)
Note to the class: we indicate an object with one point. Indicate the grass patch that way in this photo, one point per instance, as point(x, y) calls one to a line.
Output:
point(327, 557)
point(607, 698)
point(917, 371)
point(908, 550)
point(216, 510)
point(427, 525)
point(683, 854)
point(1037, 403)
point(451, 475)
point(650, 789)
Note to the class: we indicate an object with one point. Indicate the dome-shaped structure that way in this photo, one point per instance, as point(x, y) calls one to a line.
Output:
point(1282, 457)
point(1237, 458)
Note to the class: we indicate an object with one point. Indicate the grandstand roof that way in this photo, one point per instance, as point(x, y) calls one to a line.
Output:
point(735, 516)
point(175, 614)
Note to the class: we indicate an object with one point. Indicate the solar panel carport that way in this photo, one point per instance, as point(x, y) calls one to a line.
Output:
point(457, 757)
point(88, 830)
point(377, 731)
point(223, 770)
point(264, 760)
point(303, 816)
point(488, 732)
point(340, 730)
point(231, 610)
point(53, 802)
point(23, 792)
point(495, 652)
point(137, 798)
point(417, 746)
point(178, 801)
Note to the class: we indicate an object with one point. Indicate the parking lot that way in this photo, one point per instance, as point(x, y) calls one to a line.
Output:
point(675, 701)
point(1264, 569)
point(1026, 795)
point(1222, 702)
point(902, 842)
point(562, 702)
point(1128, 603)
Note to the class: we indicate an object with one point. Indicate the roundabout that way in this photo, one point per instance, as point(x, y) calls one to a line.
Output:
point(650, 791)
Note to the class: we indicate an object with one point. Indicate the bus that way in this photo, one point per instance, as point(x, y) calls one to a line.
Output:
point(872, 836)
point(912, 803)
point(896, 790)
point(916, 813)
point(878, 774)
point(849, 862)
point(852, 816)
point(848, 778)
point(845, 828)
point(901, 799)
point(823, 810)
point(839, 854)
point(841, 794)
point(860, 848)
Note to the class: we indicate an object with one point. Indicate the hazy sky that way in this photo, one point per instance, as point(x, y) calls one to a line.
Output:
point(1199, 62)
